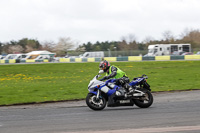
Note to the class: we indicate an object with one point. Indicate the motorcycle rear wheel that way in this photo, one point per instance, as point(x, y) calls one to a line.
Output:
point(144, 102)
point(94, 103)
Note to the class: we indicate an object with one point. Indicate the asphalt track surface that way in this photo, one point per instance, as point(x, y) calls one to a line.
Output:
point(177, 112)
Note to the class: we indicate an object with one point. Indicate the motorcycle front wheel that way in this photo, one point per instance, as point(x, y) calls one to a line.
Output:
point(145, 101)
point(95, 103)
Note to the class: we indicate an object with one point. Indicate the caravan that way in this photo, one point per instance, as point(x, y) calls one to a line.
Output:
point(167, 49)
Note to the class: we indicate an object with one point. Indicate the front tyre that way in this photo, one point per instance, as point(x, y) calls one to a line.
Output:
point(144, 101)
point(94, 103)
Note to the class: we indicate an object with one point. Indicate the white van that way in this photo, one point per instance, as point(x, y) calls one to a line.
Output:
point(15, 56)
point(92, 54)
point(37, 57)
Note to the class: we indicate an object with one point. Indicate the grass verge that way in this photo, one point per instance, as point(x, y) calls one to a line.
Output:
point(30, 83)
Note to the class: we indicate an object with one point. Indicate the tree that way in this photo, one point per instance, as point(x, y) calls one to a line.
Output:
point(88, 46)
point(5, 48)
point(13, 42)
point(81, 49)
point(147, 41)
point(48, 45)
point(15, 49)
point(63, 45)
point(129, 38)
point(29, 49)
point(29, 44)
point(123, 45)
point(97, 46)
point(1, 47)
point(133, 45)
point(192, 37)
point(128, 43)
point(168, 37)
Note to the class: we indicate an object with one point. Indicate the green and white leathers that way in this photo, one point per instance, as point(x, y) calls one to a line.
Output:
point(119, 74)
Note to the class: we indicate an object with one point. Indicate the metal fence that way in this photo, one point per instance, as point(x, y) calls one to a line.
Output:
point(121, 53)
point(114, 53)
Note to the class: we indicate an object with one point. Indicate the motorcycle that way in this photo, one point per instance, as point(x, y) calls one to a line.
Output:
point(108, 93)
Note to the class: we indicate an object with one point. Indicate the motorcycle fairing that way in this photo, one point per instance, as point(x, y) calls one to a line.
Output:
point(135, 82)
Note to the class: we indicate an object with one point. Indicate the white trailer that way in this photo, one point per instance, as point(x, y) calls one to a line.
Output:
point(167, 49)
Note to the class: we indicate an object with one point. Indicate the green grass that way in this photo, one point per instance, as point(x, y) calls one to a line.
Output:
point(66, 81)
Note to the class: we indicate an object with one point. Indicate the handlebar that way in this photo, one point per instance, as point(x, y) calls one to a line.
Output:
point(145, 76)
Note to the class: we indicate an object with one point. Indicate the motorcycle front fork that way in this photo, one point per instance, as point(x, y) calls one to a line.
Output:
point(98, 93)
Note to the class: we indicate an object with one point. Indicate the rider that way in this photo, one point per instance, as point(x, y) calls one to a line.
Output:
point(115, 73)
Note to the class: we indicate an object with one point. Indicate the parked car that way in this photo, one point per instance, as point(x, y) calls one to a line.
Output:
point(178, 53)
point(56, 59)
point(42, 57)
point(198, 53)
point(187, 53)
point(2, 57)
point(88, 55)
point(68, 56)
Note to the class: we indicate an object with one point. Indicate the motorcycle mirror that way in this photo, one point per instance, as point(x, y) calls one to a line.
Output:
point(101, 71)
point(98, 76)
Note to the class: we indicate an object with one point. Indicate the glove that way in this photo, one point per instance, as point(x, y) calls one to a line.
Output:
point(104, 78)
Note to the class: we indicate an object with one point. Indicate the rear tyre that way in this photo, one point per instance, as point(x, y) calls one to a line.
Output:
point(94, 103)
point(145, 101)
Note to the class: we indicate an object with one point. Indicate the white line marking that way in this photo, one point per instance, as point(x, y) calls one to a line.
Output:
point(147, 130)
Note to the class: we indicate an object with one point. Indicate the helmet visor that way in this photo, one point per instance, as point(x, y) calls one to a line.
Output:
point(101, 66)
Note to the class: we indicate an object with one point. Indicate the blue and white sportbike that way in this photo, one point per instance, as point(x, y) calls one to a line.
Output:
point(108, 93)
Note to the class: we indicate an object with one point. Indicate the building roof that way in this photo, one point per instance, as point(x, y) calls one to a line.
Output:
point(40, 52)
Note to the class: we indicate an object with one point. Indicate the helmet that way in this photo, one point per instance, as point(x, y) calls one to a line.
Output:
point(104, 65)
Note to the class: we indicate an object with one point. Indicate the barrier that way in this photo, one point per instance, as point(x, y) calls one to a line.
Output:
point(12, 61)
point(134, 58)
point(30, 61)
point(160, 58)
point(90, 59)
point(46, 60)
point(124, 58)
point(191, 57)
point(112, 59)
point(78, 59)
point(146, 58)
point(84, 60)
point(64, 60)
point(2, 61)
point(178, 57)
